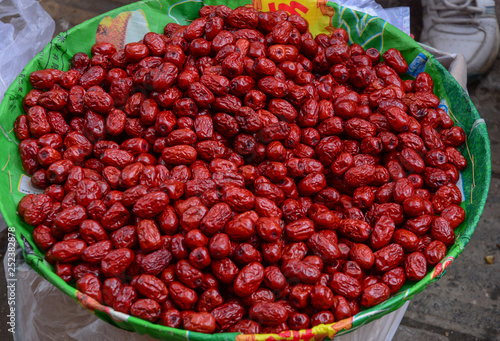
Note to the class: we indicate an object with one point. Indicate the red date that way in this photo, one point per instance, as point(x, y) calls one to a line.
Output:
point(238, 174)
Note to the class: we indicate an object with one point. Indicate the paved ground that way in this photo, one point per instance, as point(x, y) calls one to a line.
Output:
point(464, 304)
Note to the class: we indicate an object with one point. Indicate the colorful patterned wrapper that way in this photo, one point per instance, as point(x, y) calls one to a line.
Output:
point(130, 23)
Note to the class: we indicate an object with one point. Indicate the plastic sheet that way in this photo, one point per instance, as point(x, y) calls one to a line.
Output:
point(25, 29)
point(397, 16)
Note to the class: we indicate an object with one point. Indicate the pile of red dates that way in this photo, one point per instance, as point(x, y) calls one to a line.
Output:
point(239, 175)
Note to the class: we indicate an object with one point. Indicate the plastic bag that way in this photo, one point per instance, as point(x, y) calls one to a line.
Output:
point(397, 16)
point(25, 29)
point(43, 312)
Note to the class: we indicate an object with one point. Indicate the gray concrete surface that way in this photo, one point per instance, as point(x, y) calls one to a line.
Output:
point(461, 306)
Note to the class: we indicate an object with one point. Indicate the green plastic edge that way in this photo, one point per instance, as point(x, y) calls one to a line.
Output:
point(480, 148)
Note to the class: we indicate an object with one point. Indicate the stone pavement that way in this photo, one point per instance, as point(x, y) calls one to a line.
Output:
point(461, 306)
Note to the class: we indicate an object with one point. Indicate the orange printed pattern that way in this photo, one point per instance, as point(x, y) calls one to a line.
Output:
point(441, 266)
point(317, 13)
point(89, 303)
point(113, 30)
point(126, 27)
point(92, 305)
